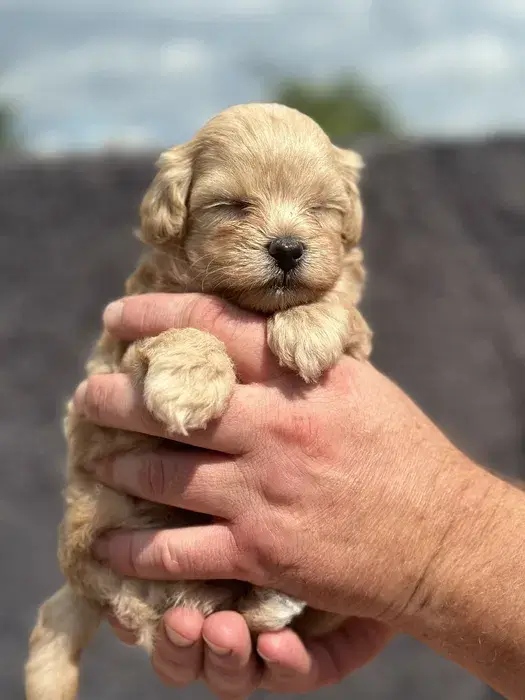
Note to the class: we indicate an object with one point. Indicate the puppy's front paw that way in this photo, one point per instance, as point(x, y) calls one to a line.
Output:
point(309, 339)
point(187, 377)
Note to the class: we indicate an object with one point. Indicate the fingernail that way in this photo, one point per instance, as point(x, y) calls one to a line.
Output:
point(220, 651)
point(177, 639)
point(101, 549)
point(113, 314)
point(79, 399)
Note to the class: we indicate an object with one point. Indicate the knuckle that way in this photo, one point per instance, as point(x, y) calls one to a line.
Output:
point(128, 551)
point(139, 314)
point(152, 477)
point(97, 398)
point(130, 557)
point(133, 312)
point(170, 559)
point(303, 429)
point(251, 562)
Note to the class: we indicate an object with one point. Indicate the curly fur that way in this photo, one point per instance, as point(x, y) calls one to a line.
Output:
point(252, 173)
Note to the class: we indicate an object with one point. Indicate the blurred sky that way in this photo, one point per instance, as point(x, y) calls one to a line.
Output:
point(84, 73)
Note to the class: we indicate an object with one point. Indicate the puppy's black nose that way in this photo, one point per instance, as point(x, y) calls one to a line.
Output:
point(286, 251)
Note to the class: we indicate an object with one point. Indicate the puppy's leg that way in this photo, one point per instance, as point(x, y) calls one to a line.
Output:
point(310, 339)
point(65, 624)
point(187, 377)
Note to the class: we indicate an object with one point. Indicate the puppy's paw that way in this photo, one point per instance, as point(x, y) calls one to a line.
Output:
point(309, 339)
point(186, 375)
point(266, 610)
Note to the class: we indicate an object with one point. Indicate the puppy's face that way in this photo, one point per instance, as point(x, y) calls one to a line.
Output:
point(260, 204)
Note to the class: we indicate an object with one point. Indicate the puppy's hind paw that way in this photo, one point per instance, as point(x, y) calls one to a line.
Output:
point(266, 610)
point(187, 378)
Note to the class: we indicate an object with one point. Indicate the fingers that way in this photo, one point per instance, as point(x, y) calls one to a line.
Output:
point(178, 654)
point(243, 333)
point(218, 650)
point(351, 646)
point(199, 552)
point(195, 480)
point(230, 669)
point(293, 667)
point(289, 665)
point(111, 400)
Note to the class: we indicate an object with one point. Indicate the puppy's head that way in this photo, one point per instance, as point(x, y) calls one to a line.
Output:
point(260, 205)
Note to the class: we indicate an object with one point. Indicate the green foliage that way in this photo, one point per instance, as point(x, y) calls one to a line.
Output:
point(343, 107)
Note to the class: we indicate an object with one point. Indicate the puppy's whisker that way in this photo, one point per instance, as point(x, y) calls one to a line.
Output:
point(225, 270)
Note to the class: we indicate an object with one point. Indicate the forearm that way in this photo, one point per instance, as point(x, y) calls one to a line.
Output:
point(471, 603)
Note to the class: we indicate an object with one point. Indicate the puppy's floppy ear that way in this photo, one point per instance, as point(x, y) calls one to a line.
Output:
point(351, 165)
point(163, 209)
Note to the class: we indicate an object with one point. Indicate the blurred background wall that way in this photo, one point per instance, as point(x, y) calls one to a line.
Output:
point(430, 91)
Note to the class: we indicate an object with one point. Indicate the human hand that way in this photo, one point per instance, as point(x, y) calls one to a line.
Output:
point(185, 653)
point(341, 494)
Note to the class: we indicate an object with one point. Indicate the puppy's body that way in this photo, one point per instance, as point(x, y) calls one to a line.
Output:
point(260, 209)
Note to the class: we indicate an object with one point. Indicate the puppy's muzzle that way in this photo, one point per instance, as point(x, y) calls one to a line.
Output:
point(287, 252)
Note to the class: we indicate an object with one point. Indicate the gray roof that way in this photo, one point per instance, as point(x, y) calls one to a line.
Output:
point(445, 244)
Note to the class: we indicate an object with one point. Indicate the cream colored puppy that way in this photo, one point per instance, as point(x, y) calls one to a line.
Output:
point(261, 209)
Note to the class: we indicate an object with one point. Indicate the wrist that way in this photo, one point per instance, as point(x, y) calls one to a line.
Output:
point(470, 601)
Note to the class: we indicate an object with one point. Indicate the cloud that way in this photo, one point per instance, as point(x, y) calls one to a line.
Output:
point(184, 9)
point(108, 59)
point(86, 71)
point(508, 10)
point(472, 57)
point(102, 89)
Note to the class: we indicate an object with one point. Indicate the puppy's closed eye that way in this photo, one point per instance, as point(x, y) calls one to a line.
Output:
point(230, 206)
point(328, 207)
point(327, 211)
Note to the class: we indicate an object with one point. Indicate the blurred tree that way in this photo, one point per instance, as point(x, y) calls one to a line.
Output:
point(343, 107)
point(8, 139)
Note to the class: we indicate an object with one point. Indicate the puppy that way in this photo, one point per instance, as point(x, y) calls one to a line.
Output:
point(262, 210)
